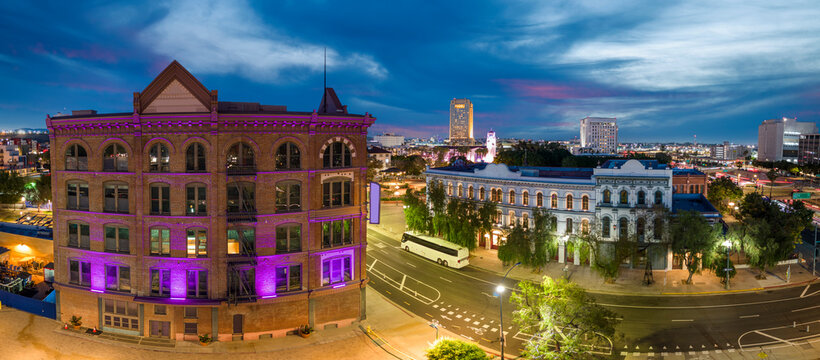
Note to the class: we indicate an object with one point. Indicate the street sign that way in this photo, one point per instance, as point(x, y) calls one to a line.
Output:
point(801, 195)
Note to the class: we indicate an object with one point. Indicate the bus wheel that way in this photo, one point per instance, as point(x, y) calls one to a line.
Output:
point(438, 261)
point(407, 248)
point(444, 263)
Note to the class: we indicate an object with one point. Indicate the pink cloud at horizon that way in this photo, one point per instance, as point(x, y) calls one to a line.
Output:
point(552, 91)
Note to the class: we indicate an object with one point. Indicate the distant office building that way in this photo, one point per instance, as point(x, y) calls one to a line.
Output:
point(809, 149)
point(461, 121)
point(381, 155)
point(389, 140)
point(600, 135)
point(778, 139)
point(726, 151)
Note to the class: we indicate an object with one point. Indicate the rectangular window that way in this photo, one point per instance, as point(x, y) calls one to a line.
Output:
point(161, 282)
point(160, 242)
point(336, 193)
point(116, 239)
point(117, 278)
point(337, 233)
point(121, 314)
point(288, 278)
point(191, 328)
point(197, 283)
point(195, 200)
point(78, 236)
point(77, 196)
point(288, 238)
point(160, 310)
point(197, 243)
point(160, 200)
point(288, 196)
point(241, 241)
point(79, 272)
point(190, 313)
point(116, 198)
point(336, 270)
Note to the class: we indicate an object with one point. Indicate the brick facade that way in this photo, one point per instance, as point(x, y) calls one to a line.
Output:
point(193, 115)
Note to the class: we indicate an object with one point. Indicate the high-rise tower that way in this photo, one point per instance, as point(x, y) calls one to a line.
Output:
point(461, 121)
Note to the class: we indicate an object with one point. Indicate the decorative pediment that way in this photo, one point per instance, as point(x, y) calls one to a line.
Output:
point(174, 90)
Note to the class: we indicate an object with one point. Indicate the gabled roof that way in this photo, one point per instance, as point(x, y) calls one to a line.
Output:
point(177, 72)
point(334, 106)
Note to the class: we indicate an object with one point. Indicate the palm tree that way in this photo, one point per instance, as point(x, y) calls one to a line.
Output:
point(771, 175)
point(481, 152)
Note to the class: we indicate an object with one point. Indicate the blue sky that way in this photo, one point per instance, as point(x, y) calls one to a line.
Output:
point(667, 70)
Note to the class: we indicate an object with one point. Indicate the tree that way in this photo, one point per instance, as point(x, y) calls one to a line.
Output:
point(769, 234)
point(610, 255)
point(416, 213)
point(373, 167)
point(12, 187)
point(565, 322)
point(531, 246)
point(663, 157)
point(437, 200)
point(452, 349)
point(411, 165)
point(772, 176)
point(39, 191)
point(693, 239)
point(481, 153)
point(719, 265)
point(722, 191)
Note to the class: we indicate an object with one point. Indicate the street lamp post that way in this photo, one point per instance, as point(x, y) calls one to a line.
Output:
point(500, 291)
point(728, 245)
point(435, 325)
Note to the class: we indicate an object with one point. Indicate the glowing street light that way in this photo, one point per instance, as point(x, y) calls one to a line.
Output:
point(728, 245)
point(500, 291)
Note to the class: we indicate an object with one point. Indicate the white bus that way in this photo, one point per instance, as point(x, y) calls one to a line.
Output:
point(441, 251)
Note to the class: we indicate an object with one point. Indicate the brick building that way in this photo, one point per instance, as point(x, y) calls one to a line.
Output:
point(689, 181)
point(190, 216)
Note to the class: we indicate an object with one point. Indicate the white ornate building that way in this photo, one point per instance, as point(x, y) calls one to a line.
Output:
point(619, 198)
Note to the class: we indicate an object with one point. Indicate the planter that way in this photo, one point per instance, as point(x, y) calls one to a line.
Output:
point(76, 327)
point(204, 343)
point(304, 335)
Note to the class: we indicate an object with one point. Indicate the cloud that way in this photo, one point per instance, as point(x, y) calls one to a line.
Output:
point(552, 91)
point(222, 37)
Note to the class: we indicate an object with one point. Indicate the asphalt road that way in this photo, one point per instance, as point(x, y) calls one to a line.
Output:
point(463, 302)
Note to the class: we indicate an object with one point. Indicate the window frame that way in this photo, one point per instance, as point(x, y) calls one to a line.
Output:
point(81, 241)
point(338, 265)
point(243, 188)
point(329, 195)
point(284, 161)
point(569, 201)
point(163, 243)
point(199, 200)
point(117, 190)
point(112, 161)
point(79, 165)
point(118, 270)
point(288, 243)
point(285, 195)
point(162, 201)
point(117, 240)
point(196, 158)
point(161, 290)
point(241, 162)
point(200, 289)
point(240, 239)
point(288, 270)
point(161, 164)
point(329, 233)
point(330, 155)
point(83, 272)
point(196, 242)
point(78, 195)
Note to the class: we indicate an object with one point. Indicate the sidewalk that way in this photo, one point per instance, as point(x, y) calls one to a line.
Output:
point(630, 281)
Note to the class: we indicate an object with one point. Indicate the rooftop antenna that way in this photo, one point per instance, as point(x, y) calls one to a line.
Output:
point(324, 82)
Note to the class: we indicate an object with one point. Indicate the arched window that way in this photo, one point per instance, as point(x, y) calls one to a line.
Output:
point(481, 193)
point(623, 229)
point(160, 243)
point(79, 235)
point(115, 158)
point(512, 218)
point(554, 201)
point(241, 197)
point(512, 196)
point(525, 198)
point(657, 229)
point(197, 239)
point(116, 197)
point(658, 197)
point(449, 189)
point(641, 197)
point(539, 200)
point(196, 200)
point(460, 190)
point(195, 158)
point(605, 227)
point(641, 229)
point(77, 195)
point(288, 238)
point(691, 189)
point(159, 158)
point(76, 158)
point(470, 192)
point(240, 159)
point(288, 157)
point(160, 199)
point(336, 155)
point(569, 226)
point(607, 197)
point(289, 196)
point(241, 241)
point(624, 197)
point(569, 201)
point(584, 226)
point(525, 220)
point(585, 203)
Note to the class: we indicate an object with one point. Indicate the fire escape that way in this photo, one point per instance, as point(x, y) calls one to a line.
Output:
point(241, 264)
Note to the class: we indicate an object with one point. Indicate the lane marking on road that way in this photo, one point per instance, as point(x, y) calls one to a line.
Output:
point(682, 320)
point(372, 265)
point(808, 308)
point(406, 303)
point(411, 265)
point(774, 337)
point(428, 314)
point(804, 291)
point(403, 279)
point(749, 316)
point(447, 280)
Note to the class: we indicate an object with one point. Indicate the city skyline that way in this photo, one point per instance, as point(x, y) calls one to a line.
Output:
point(666, 71)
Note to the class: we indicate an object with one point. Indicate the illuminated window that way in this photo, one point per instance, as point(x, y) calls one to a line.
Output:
point(337, 270)
point(197, 283)
point(337, 232)
point(159, 158)
point(288, 278)
point(624, 197)
point(115, 158)
point(288, 157)
point(585, 203)
point(160, 241)
point(525, 198)
point(569, 201)
point(240, 159)
point(554, 201)
point(242, 241)
point(512, 197)
point(195, 200)
point(197, 241)
point(161, 282)
point(539, 200)
point(607, 197)
point(117, 278)
point(79, 272)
